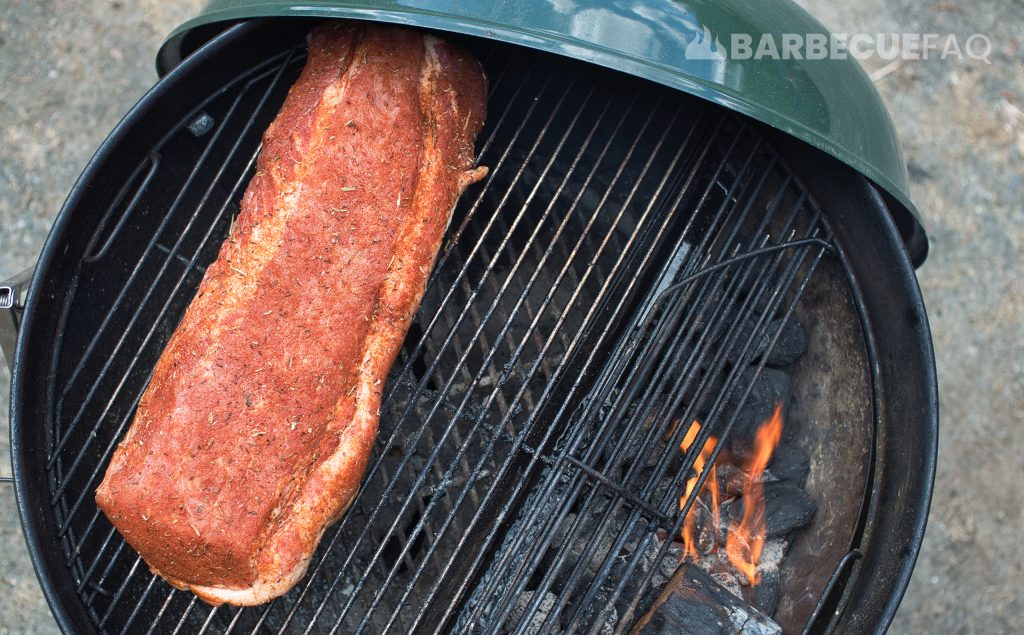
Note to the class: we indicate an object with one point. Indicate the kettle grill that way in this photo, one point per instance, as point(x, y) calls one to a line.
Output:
point(652, 222)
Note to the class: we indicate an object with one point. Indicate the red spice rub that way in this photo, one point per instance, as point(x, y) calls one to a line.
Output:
point(262, 412)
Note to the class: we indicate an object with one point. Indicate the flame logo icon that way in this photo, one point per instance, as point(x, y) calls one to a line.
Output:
point(704, 47)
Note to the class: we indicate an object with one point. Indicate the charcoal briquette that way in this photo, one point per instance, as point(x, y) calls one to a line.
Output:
point(731, 478)
point(771, 388)
point(787, 507)
point(791, 344)
point(788, 464)
point(701, 391)
point(766, 594)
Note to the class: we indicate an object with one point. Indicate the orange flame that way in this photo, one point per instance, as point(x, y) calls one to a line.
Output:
point(745, 539)
point(690, 524)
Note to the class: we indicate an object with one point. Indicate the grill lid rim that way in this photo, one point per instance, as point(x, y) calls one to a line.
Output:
point(840, 111)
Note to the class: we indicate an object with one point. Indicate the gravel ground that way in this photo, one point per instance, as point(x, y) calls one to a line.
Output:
point(69, 70)
point(962, 128)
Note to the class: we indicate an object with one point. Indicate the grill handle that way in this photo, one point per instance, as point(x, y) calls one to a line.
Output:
point(12, 306)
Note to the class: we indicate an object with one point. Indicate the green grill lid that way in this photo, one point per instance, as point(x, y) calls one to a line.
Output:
point(828, 103)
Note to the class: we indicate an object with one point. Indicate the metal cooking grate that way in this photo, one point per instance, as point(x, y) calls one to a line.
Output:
point(588, 294)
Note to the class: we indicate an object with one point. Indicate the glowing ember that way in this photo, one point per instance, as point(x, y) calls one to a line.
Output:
point(745, 539)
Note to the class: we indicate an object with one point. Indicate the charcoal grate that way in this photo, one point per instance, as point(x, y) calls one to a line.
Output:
point(585, 295)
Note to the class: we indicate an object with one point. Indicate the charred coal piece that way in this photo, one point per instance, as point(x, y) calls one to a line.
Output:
point(657, 414)
point(766, 593)
point(694, 603)
point(789, 464)
point(788, 348)
point(786, 507)
point(704, 390)
point(771, 388)
point(791, 344)
point(731, 478)
point(747, 331)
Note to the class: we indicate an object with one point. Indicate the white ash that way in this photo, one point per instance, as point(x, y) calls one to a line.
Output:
point(523, 603)
point(772, 553)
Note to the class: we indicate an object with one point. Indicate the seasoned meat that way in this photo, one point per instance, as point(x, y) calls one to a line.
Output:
point(256, 428)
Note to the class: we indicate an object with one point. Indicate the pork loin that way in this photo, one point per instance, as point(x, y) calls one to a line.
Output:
point(258, 423)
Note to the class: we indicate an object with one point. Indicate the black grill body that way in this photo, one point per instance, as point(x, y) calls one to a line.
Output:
point(625, 233)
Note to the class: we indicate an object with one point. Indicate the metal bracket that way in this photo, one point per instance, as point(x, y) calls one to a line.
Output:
point(12, 305)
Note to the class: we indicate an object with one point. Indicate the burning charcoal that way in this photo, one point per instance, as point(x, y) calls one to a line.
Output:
point(786, 507)
point(668, 565)
point(791, 344)
point(707, 539)
point(693, 603)
point(766, 594)
point(621, 561)
point(603, 550)
point(725, 577)
point(772, 553)
point(725, 518)
point(771, 388)
point(731, 478)
point(537, 619)
point(789, 464)
point(640, 538)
